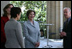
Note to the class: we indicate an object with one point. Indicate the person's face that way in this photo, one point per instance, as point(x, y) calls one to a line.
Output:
point(8, 9)
point(18, 16)
point(31, 16)
point(67, 13)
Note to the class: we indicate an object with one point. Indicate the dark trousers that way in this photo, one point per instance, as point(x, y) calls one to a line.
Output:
point(67, 46)
point(2, 45)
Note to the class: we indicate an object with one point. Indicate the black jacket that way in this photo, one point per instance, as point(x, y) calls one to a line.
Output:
point(67, 38)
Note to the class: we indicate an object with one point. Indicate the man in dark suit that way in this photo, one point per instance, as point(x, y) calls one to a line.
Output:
point(66, 33)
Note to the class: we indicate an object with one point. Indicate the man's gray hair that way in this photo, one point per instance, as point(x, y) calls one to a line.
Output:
point(67, 8)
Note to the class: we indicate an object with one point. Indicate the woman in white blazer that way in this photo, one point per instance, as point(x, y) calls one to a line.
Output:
point(31, 31)
point(13, 30)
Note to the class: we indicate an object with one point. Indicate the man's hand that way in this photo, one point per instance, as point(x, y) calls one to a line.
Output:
point(63, 34)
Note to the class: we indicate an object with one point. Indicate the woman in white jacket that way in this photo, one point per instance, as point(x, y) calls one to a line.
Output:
point(31, 31)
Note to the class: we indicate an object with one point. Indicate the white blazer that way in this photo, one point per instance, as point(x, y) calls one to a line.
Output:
point(31, 33)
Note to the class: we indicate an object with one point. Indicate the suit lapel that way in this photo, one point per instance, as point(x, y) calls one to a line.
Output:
point(35, 25)
point(69, 22)
point(31, 23)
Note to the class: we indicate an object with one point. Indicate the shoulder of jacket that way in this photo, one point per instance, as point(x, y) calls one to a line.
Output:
point(36, 22)
point(25, 23)
point(2, 17)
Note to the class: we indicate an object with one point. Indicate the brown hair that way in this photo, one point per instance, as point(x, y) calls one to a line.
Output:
point(29, 11)
point(4, 9)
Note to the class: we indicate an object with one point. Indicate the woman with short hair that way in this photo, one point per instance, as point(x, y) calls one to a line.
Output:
point(13, 30)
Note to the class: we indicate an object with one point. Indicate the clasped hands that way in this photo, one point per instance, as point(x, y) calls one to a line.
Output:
point(37, 44)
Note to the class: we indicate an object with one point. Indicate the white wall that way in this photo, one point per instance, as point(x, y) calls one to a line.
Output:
point(3, 4)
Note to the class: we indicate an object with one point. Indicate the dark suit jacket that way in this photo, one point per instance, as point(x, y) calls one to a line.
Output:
point(67, 38)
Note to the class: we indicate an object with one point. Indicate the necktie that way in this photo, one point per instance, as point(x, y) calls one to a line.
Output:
point(66, 23)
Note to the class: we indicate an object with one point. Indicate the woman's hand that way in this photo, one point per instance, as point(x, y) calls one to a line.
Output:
point(37, 44)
